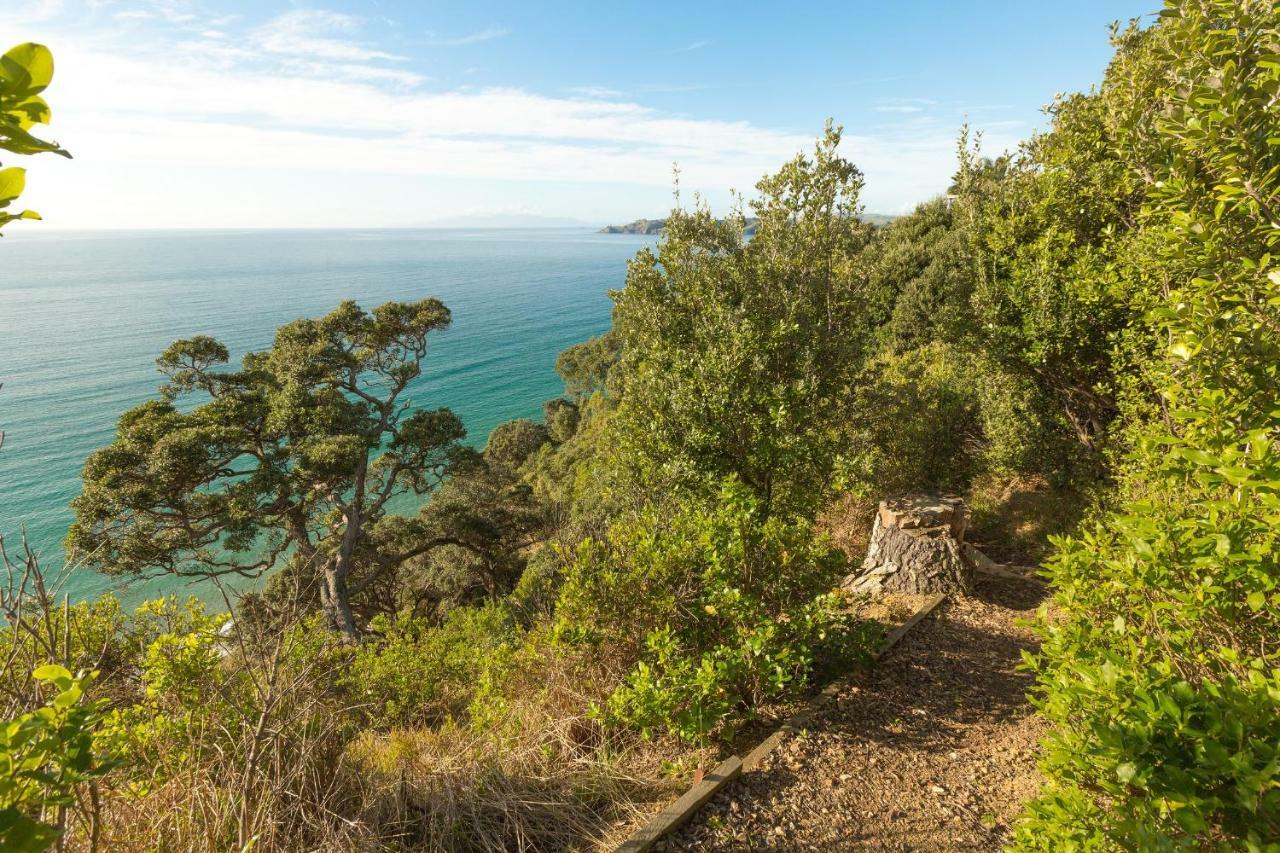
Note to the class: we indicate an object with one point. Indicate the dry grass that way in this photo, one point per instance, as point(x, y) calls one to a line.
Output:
point(538, 774)
point(848, 522)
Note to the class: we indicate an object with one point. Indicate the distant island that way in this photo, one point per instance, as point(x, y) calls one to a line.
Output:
point(654, 227)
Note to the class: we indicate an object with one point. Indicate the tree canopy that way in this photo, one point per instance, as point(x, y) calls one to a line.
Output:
point(297, 456)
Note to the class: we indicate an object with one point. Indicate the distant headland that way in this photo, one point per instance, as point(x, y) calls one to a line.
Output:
point(654, 227)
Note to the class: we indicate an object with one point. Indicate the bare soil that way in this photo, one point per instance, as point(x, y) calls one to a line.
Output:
point(934, 749)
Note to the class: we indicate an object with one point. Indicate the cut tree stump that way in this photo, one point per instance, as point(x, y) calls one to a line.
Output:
point(917, 547)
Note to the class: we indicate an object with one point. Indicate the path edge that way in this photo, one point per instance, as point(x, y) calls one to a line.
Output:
point(678, 813)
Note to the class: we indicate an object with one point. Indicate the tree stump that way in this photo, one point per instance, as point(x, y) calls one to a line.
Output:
point(917, 546)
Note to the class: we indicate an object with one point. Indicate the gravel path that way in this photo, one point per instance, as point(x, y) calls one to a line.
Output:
point(934, 749)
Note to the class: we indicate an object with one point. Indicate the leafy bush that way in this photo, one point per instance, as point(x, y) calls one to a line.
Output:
point(411, 671)
point(713, 608)
point(184, 687)
point(1163, 674)
point(736, 354)
point(915, 423)
point(25, 72)
point(44, 756)
point(511, 443)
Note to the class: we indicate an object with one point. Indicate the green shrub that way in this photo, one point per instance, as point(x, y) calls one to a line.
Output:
point(44, 756)
point(1163, 672)
point(915, 423)
point(511, 443)
point(183, 687)
point(413, 671)
point(711, 608)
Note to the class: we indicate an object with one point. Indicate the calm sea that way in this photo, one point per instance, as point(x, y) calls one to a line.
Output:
point(84, 315)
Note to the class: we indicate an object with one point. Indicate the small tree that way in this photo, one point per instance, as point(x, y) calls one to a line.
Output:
point(736, 354)
point(295, 457)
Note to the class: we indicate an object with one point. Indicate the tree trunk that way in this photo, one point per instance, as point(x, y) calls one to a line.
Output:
point(917, 546)
point(337, 605)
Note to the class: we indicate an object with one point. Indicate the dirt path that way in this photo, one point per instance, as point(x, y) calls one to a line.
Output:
point(933, 750)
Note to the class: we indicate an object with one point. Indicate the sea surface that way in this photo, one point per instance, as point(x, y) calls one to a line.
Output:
point(83, 316)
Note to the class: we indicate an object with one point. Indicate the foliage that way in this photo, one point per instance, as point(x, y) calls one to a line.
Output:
point(44, 756)
point(182, 685)
point(483, 519)
point(296, 456)
point(1163, 675)
point(585, 367)
point(915, 424)
point(735, 353)
point(562, 418)
point(25, 71)
point(1058, 290)
point(718, 607)
point(919, 276)
point(511, 443)
point(411, 671)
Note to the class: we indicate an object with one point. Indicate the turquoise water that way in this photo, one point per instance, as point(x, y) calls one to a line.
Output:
point(84, 315)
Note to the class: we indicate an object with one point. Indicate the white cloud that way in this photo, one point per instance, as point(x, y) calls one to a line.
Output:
point(293, 121)
point(34, 11)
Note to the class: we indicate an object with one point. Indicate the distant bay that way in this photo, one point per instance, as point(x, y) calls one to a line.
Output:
point(83, 316)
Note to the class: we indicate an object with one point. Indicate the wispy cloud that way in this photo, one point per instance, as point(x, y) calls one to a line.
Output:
point(599, 92)
point(695, 45)
point(311, 32)
point(487, 34)
point(34, 11)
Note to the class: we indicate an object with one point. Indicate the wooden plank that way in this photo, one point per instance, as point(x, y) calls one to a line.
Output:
point(752, 759)
point(678, 813)
point(901, 631)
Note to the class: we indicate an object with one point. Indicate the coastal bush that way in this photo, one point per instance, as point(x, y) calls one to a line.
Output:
point(511, 443)
point(46, 755)
point(712, 606)
point(736, 353)
point(1058, 288)
point(920, 277)
point(914, 424)
point(295, 457)
point(1162, 674)
point(562, 418)
point(411, 671)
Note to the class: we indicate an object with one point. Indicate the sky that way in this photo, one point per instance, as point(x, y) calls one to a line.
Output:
point(408, 113)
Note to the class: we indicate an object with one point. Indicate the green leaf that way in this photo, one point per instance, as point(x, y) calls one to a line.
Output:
point(51, 672)
point(1256, 600)
point(28, 68)
point(12, 182)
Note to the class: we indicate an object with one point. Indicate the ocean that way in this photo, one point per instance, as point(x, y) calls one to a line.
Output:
point(83, 316)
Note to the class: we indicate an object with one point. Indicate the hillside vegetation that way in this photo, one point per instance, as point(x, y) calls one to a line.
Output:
point(1081, 337)
point(656, 227)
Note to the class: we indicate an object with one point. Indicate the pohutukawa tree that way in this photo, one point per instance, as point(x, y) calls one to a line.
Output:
point(297, 456)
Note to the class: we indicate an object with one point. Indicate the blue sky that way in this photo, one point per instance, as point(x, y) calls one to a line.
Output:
point(378, 113)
